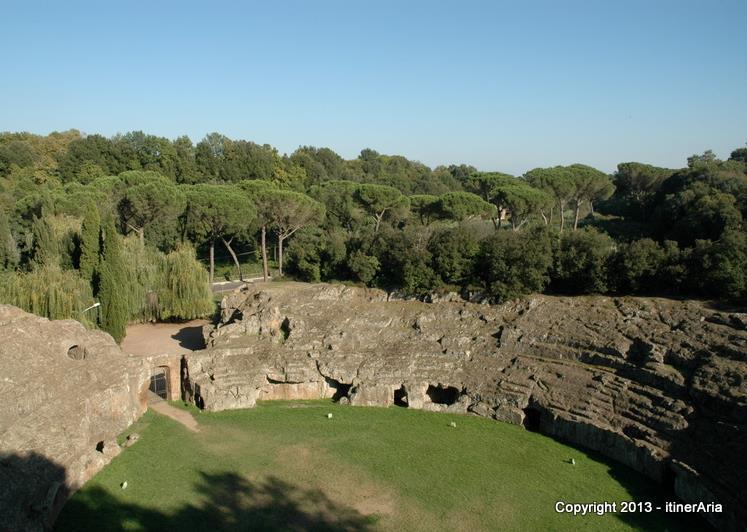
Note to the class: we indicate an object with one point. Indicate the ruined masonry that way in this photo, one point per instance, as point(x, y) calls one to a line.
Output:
point(66, 393)
point(657, 384)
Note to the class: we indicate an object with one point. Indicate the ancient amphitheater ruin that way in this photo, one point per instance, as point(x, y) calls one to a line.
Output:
point(657, 384)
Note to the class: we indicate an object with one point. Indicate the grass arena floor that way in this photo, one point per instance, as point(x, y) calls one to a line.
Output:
point(285, 465)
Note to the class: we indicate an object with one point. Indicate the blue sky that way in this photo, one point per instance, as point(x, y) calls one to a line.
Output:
point(500, 85)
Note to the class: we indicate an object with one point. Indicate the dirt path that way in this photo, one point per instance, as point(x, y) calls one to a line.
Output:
point(164, 338)
point(185, 418)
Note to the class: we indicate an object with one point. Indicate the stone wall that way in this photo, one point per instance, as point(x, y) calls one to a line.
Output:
point(66, 393)
point(657, 384)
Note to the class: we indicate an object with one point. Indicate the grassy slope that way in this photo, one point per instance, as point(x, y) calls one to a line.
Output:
point(287, 464)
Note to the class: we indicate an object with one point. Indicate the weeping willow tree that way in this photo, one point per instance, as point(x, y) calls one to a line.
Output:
point(145, 269)
point(186, 293)
point(133, 282)
point(49, 291)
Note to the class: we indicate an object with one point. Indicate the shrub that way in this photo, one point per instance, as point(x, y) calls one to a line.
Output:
point(580, 262)
point(453, 251)
point(364, 267)
point(637, 266)
point(512, 264)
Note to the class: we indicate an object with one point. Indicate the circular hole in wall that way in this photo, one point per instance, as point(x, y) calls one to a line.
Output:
point(76, 352)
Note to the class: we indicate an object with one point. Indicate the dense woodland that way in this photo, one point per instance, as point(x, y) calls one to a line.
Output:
point(134, 222)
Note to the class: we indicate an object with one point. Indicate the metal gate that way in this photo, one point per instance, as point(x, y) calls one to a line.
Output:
point(159, 384)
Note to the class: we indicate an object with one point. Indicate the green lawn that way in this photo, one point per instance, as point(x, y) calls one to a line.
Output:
point(285, 466)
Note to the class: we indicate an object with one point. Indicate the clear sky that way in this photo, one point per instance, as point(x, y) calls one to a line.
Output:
point(502, 85)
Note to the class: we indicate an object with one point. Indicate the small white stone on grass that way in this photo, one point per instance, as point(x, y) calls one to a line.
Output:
point(573, 461)
point(124, 485)
point(329, 416)
point(452, 424)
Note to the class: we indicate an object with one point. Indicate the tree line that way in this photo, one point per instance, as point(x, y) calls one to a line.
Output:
point(83, 216)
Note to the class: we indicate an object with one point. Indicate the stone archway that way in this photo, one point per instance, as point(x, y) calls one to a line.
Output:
point(160, 382)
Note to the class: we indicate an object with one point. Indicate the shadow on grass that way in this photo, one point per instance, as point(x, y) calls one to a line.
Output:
point(226, 501)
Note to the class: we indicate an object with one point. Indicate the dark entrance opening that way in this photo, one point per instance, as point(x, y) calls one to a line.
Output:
point(199, 401)
point(100, 446)
point(159, 383)
point(285, 328)
point(341, 389)
point(442, 395)
point(667, 480)
point(631, 431)
point(400, 397)
point(532, 418)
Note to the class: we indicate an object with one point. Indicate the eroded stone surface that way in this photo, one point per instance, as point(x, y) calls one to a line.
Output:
point(65, 393)
point(660, 385)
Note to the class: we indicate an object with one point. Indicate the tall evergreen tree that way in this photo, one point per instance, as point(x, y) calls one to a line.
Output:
point(89, 242)
point(45, 248)
point(9, 255)
point(113, 289)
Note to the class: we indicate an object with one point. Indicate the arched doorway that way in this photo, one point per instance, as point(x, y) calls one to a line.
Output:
point(532, 419)
point(160, 382)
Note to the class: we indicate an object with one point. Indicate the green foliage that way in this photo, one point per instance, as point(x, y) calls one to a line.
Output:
point(719, 269)
point(338, 198)
point(380, 200)
point(114, 289)
point(522, 202)
point(150, 203)
point(286, 212)
point(462, 205)
point(636, 185)
point(580, 262)
point(144, 268)
point(404, 261)
point(511, 264)
point(670, 225)
point(90, 242)
point(364, 267)
point(425, 207)
point(45, 248)
point(740, 154)
point(485, 184)
point(10, 255)
point(217, 212)
point(186, 294)
point(315, 254)
point(304, 255)
point(637, 266)
point(699, 212)
point(48, 291)
point(290, 211)
point(453, 251)
point(409, 177)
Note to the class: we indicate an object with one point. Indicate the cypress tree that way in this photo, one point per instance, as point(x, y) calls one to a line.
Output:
point(89, 242)
point(9, 255)
point(45, 248)
point(113, 284)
